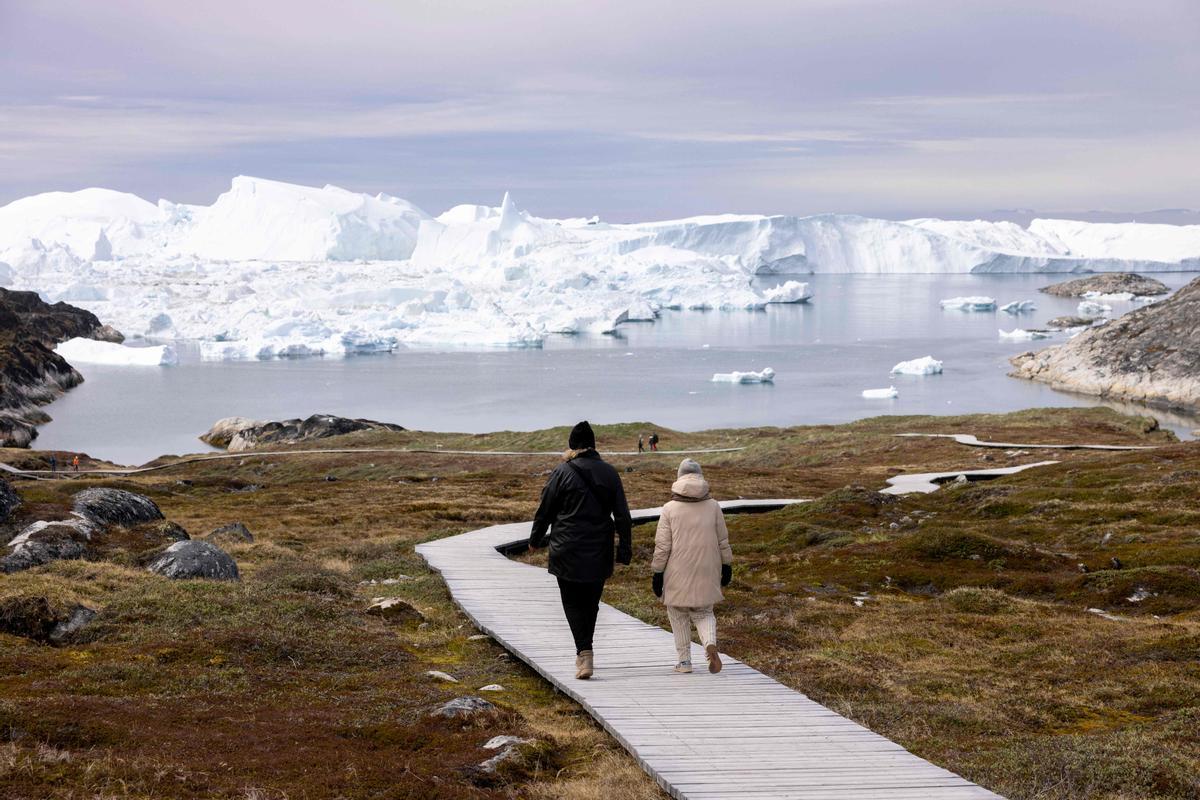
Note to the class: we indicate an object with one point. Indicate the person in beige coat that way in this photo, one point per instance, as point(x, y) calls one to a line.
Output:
point(692, 561)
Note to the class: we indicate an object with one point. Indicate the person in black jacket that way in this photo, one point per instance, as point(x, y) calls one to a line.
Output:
point(583, 503)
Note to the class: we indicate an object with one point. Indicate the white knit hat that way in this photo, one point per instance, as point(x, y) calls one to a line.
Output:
point(689, 467)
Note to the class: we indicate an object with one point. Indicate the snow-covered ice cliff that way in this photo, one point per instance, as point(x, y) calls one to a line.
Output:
point(277, 269)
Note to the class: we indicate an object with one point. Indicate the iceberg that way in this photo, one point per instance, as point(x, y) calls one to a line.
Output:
point(790, 292)
point(91, 351)
point(975, 303)
point(272, 269)
point(1110, 297)
point(1019, 307)
point(1021, 335)
point(918, 366)
point(1090, 308)
point(881, 394)
point(766, 376)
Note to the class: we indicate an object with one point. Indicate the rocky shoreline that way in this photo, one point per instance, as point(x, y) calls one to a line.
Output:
point(239, 433)
point(1151, 355)
point(1108, 283)
point(31, 373)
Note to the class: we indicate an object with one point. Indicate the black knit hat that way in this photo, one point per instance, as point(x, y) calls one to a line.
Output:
point(582, 437)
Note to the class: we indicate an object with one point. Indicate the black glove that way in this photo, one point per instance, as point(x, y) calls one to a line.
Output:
point(726, 574)
point(657, 584)
point(624, 554)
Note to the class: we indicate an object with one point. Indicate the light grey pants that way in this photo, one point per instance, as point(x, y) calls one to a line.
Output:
point(682, 618)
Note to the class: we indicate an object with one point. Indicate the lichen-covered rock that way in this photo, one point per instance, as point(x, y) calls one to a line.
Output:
point(233, 533)
point(1151, 355)
point(1108, 283)
point(116, 507)
point(393, 609)
point(464, 707)
point(9, 500)
point(195, 559)
point(43, 542)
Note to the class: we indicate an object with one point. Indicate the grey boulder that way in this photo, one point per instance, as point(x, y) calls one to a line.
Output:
point(233, 533)
point(43, 542)
point(115, 507)
point(464, 707)
point(195, 559)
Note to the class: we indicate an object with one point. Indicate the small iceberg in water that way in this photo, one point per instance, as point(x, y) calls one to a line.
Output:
point(1019, 307)
point(881, 394)
point(766, 376)
point(974, 303)
point(91, 351)
point(1090, 308)
point(1021, 335)
point(790, 292)
point(918, 366)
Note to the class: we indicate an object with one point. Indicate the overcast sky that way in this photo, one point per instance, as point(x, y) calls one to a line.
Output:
point(632, 110)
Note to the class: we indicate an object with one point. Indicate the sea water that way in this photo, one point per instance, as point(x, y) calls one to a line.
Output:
point(824, 353)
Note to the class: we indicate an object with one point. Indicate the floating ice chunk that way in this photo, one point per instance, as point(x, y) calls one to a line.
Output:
point(1019, 307)
point(90, 351)
point(766, 376)
point(790, 292)
point(1111, 297)
point(1022, 335)
point(973, 303)
point(918, 366)
point(1090, 308)
point(881, 394)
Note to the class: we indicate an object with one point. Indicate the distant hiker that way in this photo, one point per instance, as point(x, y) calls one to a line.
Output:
point(75, 463)
point(53, 465)
point(653, 441)
point(692, 561)
point(583, 503)
point(641, 444)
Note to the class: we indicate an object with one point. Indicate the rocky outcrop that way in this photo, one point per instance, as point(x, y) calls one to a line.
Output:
point(1151, 355)
point(116, 507)
point(103, 524)
point(31, 373)
point(1070, 322)
point(1108, 283)
point(43, 542)
point(467, 706)
point(238, 433)
point(233, 533)
point(10, 501)
point(220, 434)
point(195, 559)
point(394, 610)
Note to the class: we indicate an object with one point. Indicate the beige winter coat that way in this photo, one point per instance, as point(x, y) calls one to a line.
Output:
point(691, 545)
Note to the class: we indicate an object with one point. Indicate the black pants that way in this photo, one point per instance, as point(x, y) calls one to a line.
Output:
point(581, 604)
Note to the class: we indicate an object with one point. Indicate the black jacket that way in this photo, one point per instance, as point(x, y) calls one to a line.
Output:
point(581, 525)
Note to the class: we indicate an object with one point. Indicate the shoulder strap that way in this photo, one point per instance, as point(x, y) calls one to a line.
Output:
point(591, 486)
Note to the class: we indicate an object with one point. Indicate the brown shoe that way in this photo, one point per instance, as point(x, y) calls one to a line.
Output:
point(714, 658)
point(583, 665)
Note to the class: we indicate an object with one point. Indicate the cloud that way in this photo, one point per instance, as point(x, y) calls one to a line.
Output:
point(630, 107)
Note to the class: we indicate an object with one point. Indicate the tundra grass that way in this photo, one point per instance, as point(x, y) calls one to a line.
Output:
point(972, 646)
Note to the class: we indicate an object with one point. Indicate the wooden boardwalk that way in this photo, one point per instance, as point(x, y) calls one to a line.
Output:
point(738, 734)
point(970, 440)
